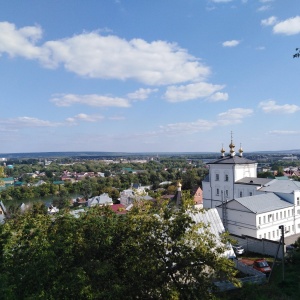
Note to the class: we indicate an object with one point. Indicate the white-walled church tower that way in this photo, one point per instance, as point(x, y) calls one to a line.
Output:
point(219, 185)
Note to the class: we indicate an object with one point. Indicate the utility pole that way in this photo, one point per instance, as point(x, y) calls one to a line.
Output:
point(282, 240)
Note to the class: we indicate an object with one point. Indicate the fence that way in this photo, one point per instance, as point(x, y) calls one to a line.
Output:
point(252, 276)
point(262, 246)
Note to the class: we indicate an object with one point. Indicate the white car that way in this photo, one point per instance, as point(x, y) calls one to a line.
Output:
point(238, 249)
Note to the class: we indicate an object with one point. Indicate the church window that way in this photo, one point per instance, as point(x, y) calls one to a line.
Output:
point(218, 192)
point(217, 177)
point(226, 177)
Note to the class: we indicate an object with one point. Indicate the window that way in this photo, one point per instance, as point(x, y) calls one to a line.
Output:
point(269, 235)
point(298, 212)
point(288, 213)
point(273, 234)
point(277, 232)
point(226, 193)
point(265, 235)
point(217, 177)
point(281, 215)
point(259, 220)
point(276, 216)
point(284, 213)
point(250, 194)
point(218, 192)
point(298, 201)
point(299, 225)
point(241, 194)
point(293, 228)
point(226, 177)
point(264, 219)
point(269, 218)
point(260, 236)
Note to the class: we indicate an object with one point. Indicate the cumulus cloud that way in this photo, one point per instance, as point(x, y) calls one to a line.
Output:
point(90, 100)
point(191, 91)
point(20, 42)
point(234, 116)
point(141, 94)
point(219, 96)
point(93, 55)
point(232, 43)
point(271, 107)
point(289, 26)
point(85, 118)
point(269, 21)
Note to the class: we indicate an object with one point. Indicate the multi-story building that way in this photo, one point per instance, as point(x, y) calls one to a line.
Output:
point(249, 205)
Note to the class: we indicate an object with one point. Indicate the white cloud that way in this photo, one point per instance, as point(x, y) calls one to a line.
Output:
point(188, 127)
point(284, 132)
point(290, 26)
point(271, 107)
point(191, 91)
point(85, 117)
point(234, 116)
point(107, 57)
point(269, 22)
point(20, 42)
point(141, 94)
point(27, 122)
point(90, 100)
point(264, 8)
point(219, 96)
point(232, 43)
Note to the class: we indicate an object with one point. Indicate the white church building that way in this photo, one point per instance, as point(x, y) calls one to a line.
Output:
point(249, 205)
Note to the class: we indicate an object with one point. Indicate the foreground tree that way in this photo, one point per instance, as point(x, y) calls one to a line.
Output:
point(145, 254)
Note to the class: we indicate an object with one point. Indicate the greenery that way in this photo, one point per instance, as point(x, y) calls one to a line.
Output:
point(151, 252)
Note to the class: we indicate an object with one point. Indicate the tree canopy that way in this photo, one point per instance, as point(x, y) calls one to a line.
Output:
point(145, 254)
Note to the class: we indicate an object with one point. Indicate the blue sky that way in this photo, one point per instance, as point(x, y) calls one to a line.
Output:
point(149, 76)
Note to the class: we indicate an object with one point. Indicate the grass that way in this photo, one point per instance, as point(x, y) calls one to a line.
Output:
point(276, 288)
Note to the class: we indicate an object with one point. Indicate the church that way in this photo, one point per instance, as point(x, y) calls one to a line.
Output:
point(249, 205)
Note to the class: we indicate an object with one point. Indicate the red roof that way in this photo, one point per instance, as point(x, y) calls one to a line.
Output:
point(118, 209)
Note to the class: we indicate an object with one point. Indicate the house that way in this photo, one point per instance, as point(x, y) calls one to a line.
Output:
point(249, 205)
point(103, 199)
point(258, 216)
point(198, 196)
point(127, 197)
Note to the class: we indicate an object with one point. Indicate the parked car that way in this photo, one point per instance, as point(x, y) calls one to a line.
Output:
point(238, 249)
point(262, 266)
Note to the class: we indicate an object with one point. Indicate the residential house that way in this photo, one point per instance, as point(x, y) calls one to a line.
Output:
point(103, 199)
point(198, 196)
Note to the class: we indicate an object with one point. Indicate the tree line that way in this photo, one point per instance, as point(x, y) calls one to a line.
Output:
point(152, 252)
